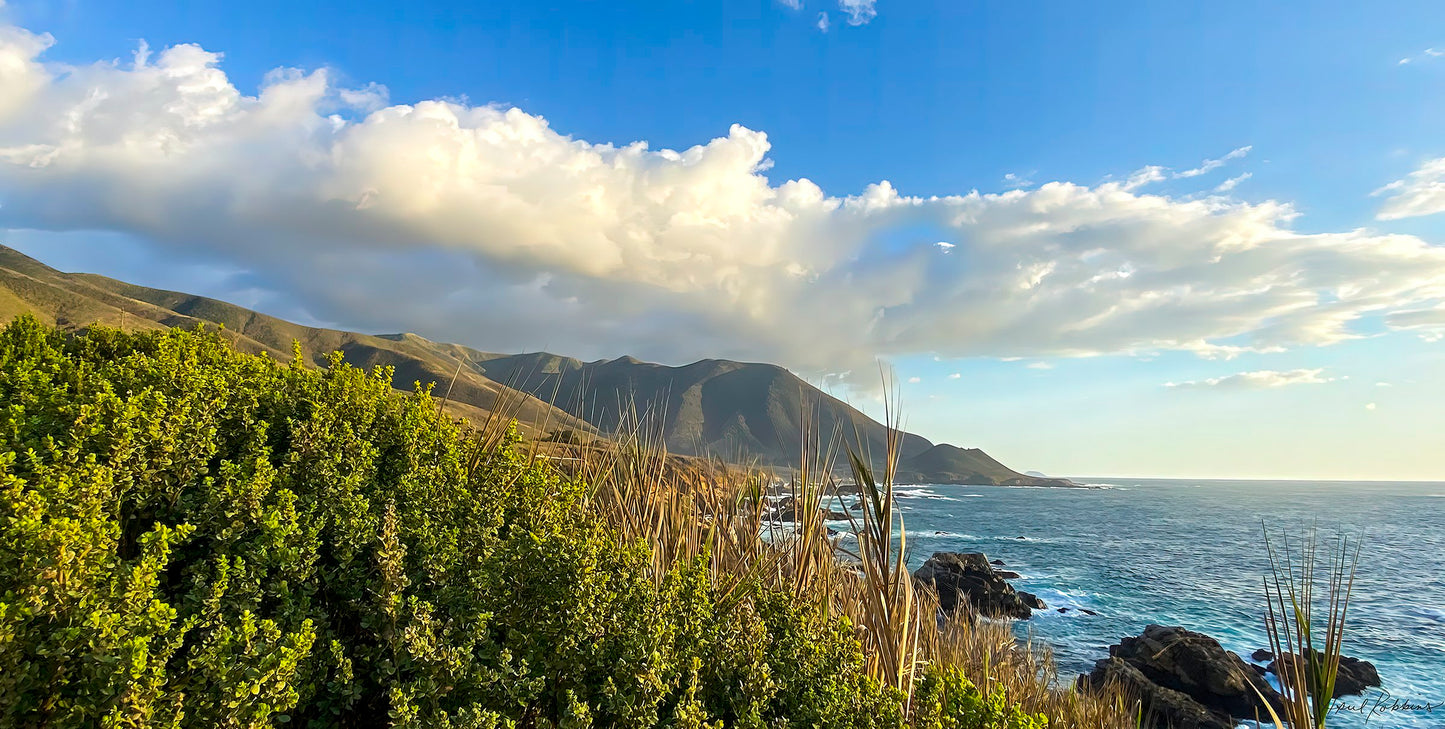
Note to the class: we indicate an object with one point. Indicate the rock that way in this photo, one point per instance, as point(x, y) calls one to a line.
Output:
point(1196, 665)
point(831, 515)
point(1262, 655)
point(1261, 670)
point(1087, 611)
point(1063, 610)
point(1353, 677)
point(1007, 575)
point(1032, 600)
point(967, 579)
point(1020, 537)
point(997, 563)
point(1162, 707)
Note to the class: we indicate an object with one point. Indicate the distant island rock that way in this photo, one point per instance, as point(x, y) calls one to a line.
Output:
point(1036, 474)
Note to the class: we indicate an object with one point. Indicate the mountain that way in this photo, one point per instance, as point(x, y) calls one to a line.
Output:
point(735, 409)
point(746, 412)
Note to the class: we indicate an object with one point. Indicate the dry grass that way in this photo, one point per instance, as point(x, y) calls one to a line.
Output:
point(689, 507)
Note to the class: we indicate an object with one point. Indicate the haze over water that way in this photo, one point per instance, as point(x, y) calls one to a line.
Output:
point(1192, 553)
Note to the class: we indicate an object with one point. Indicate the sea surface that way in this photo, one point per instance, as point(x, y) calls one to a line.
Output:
point(1192, 553)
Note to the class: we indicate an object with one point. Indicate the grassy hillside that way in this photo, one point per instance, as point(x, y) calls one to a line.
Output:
point(74, 302)
point(741, 411)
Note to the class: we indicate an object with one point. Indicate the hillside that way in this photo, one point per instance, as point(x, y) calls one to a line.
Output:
point(76, 301)
point(741, 411)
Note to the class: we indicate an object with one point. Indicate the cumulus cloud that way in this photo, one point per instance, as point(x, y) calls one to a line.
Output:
point(1039, 366)
point(794, 4)
point(1421, 193)
point(859, 11)
point(823, 22)
point(484, 225)
point(955, 376)
point(1258, 379)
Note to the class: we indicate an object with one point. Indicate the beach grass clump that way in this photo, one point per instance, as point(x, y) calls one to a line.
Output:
point(196, 537)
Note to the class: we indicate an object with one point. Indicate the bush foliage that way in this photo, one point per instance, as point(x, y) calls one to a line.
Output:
point(195, 537)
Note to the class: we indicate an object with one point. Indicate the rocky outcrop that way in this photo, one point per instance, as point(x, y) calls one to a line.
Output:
point(967, 580)
point(1161, 707)
point(1195, 665)
point(1353, 677)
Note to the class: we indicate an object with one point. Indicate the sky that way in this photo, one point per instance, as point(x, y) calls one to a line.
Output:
point(1201, 240)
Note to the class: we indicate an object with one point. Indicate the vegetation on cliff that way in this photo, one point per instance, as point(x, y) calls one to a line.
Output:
point(195, 536)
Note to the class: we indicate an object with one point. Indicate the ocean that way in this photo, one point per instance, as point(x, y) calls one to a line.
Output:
point(1192, 553)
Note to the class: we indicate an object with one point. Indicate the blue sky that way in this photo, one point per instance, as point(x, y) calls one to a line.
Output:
point(936, 98)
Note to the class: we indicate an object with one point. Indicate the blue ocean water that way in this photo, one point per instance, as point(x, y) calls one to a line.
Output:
point(1192, 553)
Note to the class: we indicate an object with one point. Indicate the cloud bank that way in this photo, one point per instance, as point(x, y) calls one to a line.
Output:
point(1257, 380)
point(483, 224)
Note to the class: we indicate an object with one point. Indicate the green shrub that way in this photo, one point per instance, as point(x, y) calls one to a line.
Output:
point(190, 536)
point(945, 699)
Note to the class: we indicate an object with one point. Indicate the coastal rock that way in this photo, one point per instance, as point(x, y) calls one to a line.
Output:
point(1032, 600)
point(1087, 611)
point(1196, 665)
point(968, 579)
point(997, 563)
point(1163, 708)
point(1353, 677)
point(1262, 655)
point(1007, 574)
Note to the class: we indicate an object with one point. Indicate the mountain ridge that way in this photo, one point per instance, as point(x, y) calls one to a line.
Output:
point(743, 411)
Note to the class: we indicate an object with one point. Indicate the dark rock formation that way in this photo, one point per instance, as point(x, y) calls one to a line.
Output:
point(1262, 655)
point(1162, 707)
point(1353, 677)
point(1196, 665)
point(1007, 574)
point(997, 563)
point(968, 579)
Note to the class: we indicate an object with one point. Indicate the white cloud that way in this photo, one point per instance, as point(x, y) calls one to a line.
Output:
point(794, 4)
point(1259, 379)
point(1426, 54)
point(955, 376)
point(1039, 366)
point(1420, 193)
point(1383, 384)
point(945, 246)
point(1012, 180)
point(859, 11)
point(1370, 406)
point(823, 22)
point(1211, 165)
point(914, 380)
point(1233, 182)
point(484, 225)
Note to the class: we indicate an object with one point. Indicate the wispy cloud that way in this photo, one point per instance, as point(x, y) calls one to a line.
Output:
point(1039, 366)
point(859, 11)
point(1233, 182)
point(483, 224)
point(914, 380)
point(823, 23)
point(1211, 165)
point(1426, 54)
point(1258, 379)
point(1422, 192)
point(794, 4)
point(955, 376)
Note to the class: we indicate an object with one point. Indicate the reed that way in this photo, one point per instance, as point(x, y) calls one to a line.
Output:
point(1307, 661)
point(686, 508)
